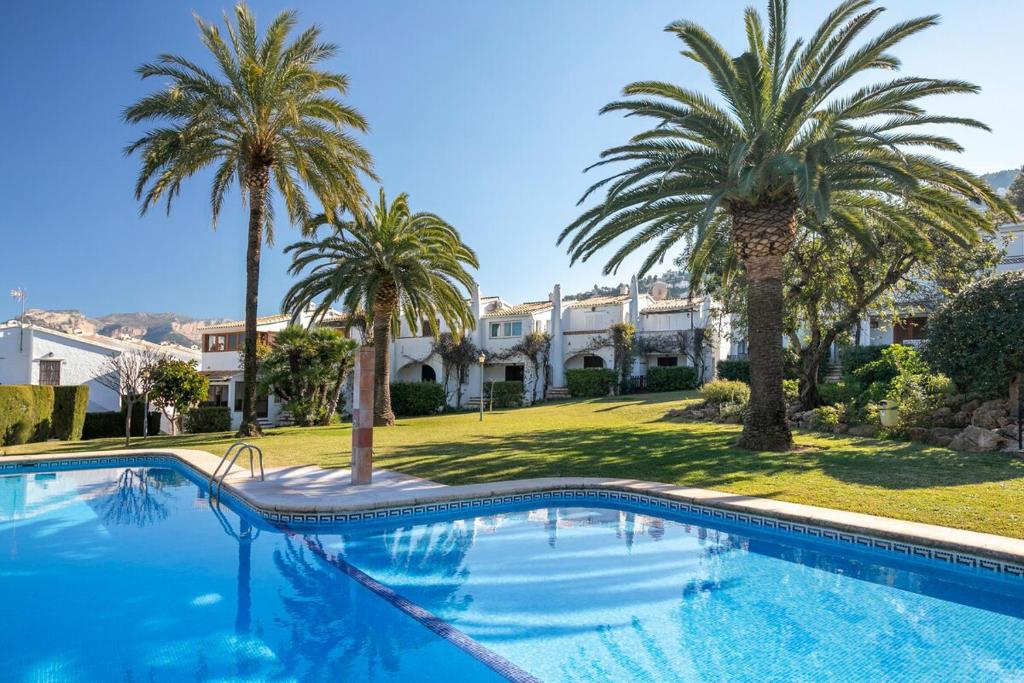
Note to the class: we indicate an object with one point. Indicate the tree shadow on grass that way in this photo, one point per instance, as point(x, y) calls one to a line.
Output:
point(706, 458)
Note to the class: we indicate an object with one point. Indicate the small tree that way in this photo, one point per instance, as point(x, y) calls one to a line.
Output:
point(177, 386)
point(458, 354)
point(131, 374)
point(535, 347)
point(1015, 193)
point(621, 337)
point(975, 337)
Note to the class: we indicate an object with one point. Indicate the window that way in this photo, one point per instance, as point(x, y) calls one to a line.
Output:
point(593, 362)
point(215, 342)
point(217, 395)
point(262, 403)
point(514, 373)
point(509, 329)
point(667, 361)
point(49, 372)
point(426, 329)
point(540, 325)
point(232, 341)
point(427, 374)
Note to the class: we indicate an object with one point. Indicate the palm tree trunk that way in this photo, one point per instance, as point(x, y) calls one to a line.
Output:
point(257, 215)
point(761, 236)
point(383, 309)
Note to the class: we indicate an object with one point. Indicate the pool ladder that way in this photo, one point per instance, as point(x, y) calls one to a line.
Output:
point(237, 448)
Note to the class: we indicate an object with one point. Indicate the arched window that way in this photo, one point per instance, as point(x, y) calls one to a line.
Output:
point(427, 374)
point(593, 362)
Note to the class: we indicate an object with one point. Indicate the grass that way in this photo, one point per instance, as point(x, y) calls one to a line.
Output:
point(630, 437)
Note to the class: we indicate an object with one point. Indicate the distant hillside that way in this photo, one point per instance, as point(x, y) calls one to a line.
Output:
point(154, 327)
point(1000, 180)
point(678, 285)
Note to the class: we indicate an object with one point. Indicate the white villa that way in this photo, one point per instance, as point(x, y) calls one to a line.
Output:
point(576, 326)
point(37, 355)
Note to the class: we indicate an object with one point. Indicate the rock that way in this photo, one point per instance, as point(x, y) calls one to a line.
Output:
point(862, 430)
point(970, 406)
point(1007, 420)
point(996, 405)
point(974, 439)
point(961, 419)
point(941, 436)
point(841, 428)
point(988, 414)
point(1009, 430)
point(918, 434)
point(735, 419)
point(809, 419)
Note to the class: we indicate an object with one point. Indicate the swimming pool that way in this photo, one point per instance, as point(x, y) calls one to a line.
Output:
point(128, 573)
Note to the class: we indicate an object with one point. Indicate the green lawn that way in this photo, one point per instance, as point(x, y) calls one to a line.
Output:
point(629, 437)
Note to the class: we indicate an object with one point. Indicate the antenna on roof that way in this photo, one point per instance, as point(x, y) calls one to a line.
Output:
point(20, 294)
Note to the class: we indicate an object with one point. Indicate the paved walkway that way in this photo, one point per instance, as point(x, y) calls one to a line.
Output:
point(309, 489)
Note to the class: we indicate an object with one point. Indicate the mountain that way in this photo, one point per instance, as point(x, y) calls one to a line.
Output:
point(154, 327)
point(1000, 180)
point(677, 280)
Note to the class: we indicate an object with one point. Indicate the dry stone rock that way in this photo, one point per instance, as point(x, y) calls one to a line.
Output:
point(863, 430)
point(974, 439)
point(941, 436)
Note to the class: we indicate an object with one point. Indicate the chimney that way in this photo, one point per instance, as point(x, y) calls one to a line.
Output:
point(634, 301)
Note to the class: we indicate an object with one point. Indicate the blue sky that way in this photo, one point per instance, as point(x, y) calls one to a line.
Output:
point(484, 112)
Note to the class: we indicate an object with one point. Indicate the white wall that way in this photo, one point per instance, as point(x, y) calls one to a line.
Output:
point(15, 365)
point(82, 363)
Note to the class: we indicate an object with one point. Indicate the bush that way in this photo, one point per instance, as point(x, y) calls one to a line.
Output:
point(206, 419)
point(833, 393)
point(417, 398)
point(735, 370)
point(69, 406)
point(975, 337)
point(830, 416)
point(506, 394)
point(590, 382)
point(854, 357)
point(679, 378)
point(791, 390)
point(725, 391)
point(918, 396)
point(26, 413)
point(893, 360)
point(107, 424)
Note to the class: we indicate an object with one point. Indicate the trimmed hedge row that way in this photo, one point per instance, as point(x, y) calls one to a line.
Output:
point(679, 378)
point(853, 358)
point(417, 398)
point(734, 370)
point(69, 407)
point(590, 382)
point(506, 394)
point(106, 424)
point(26, 413)
point(206, 419)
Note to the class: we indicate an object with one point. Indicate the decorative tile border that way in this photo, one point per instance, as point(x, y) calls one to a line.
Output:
point(606, 495)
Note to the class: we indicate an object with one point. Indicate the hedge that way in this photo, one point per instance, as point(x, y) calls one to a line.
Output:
point(734, 370)
point(206, 419)
point(417, 398)
point(69, 406)
point(677, 378)
point(26, 413)
point(853, 358)
point(590, 382)
point(506, 394)
point(106, 424)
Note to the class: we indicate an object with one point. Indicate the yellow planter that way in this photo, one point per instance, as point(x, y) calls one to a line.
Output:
point(889, 414)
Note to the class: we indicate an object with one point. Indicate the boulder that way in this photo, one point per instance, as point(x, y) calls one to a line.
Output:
point(970, 406)
point(974, 439)
point(918, 434)
point(988, 414)
point(841, 428)
point(941, 436)
point(1009, 430)
point(863, 430)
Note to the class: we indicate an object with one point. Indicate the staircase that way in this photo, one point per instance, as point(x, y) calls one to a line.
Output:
point(285, 419)
point(835, 372)
point(475, 401)
point(555, 393)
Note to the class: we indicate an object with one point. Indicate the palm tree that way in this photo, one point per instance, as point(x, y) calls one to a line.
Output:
point(392, 261)
point(268, 115)
point(787, 133)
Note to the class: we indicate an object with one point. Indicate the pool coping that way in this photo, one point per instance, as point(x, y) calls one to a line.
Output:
point(369, 504)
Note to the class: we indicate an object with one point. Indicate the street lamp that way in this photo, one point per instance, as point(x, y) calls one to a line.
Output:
point(482, 358)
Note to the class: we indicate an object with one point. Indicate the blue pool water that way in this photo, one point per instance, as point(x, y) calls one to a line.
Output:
point(128, 574)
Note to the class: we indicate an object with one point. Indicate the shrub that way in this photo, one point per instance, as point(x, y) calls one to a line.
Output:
point(918, 396)
point(69, 407)
point(590, 382)
point(974, 338)
point(853, 358)
point(736, 370)
point(205, 419)
point(830, 416)
point(833, 393)
point(26, 413)
point(725, 391)
point(679, 378)
point(790, 390)
point(106, 424)
point(417, 398)
point(892, 361)
point(506, 394)
point(728, 410)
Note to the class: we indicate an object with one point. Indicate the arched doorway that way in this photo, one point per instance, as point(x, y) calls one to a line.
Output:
point(593, 361)
point(427, 374)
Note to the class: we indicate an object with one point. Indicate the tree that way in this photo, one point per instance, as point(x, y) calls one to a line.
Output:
point(270, 116)
point(177, 386)
point(131, 374)
point(791, 128)
point(306, 370)
point(458, 355)
point(535, 349)
point(974, 338)
point(1015, 192)
point(622, 337)
point(390, 262)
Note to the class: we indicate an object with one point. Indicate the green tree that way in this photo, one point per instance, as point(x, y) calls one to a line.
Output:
point(177, 386)
point(458, 354)
point(1015, 193)
point(792, 127)
point(392, 262)
point(268, 117)
point(306, 370)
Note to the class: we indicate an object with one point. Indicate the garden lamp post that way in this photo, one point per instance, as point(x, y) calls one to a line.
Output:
point(482, 359)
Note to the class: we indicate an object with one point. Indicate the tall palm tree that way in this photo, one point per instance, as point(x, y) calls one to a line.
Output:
point(787, 131)
point(391, 262)
point(269, 115)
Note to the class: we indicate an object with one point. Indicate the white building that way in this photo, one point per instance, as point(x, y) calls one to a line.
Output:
point(36, 355)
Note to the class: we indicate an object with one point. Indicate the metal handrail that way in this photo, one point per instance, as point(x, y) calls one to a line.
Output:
point(242, 447)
